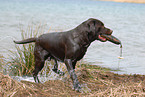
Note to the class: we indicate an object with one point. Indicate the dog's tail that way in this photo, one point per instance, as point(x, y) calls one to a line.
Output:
point(29, 40)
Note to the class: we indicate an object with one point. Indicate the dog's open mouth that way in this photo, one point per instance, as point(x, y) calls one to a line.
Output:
point(103, 39)
point(111, 38)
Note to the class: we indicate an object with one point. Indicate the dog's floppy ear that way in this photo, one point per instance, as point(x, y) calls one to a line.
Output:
point(94, 25)
point(91, 26)
point(92, 29)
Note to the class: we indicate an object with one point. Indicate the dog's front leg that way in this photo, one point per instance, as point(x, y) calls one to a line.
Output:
point(73, 75)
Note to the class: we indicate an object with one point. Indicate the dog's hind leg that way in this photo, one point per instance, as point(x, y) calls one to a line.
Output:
point(40, 57)
point(55, 69)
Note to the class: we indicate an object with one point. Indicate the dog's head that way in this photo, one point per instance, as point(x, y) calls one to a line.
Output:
point(97, 31)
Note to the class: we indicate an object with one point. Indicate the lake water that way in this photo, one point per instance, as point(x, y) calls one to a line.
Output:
point(127, 20)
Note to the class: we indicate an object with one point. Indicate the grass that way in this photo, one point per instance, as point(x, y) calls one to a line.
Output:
point(1, 63)
point(100, 84)
point(22, 61)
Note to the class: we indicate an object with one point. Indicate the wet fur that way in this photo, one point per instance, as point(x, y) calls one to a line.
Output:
point(68, 47)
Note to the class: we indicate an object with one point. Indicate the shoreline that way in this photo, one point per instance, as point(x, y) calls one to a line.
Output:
point(127, 1)
point(95, 81)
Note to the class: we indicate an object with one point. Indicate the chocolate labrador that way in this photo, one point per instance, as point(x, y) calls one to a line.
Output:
point(68, 47)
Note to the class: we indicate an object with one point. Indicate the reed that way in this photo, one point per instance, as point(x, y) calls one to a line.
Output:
point(1, 63)
point(22, 60)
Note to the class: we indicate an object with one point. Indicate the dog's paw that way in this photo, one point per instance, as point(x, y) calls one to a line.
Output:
point(77, 87)
point(61, 73)
point(58, 72)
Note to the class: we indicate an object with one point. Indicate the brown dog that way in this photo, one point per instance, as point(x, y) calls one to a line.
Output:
point(68, 47)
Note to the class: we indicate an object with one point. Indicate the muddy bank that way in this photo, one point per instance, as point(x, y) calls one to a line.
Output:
point(95, 81)
point(129, 1)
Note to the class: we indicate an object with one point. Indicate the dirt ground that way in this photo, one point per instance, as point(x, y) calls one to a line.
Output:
point(95, 81)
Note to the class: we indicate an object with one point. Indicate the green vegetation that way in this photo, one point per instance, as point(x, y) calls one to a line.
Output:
point(1, 62)
point(22, 61)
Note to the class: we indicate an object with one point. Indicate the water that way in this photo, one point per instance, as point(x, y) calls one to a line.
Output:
point(125, 19)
